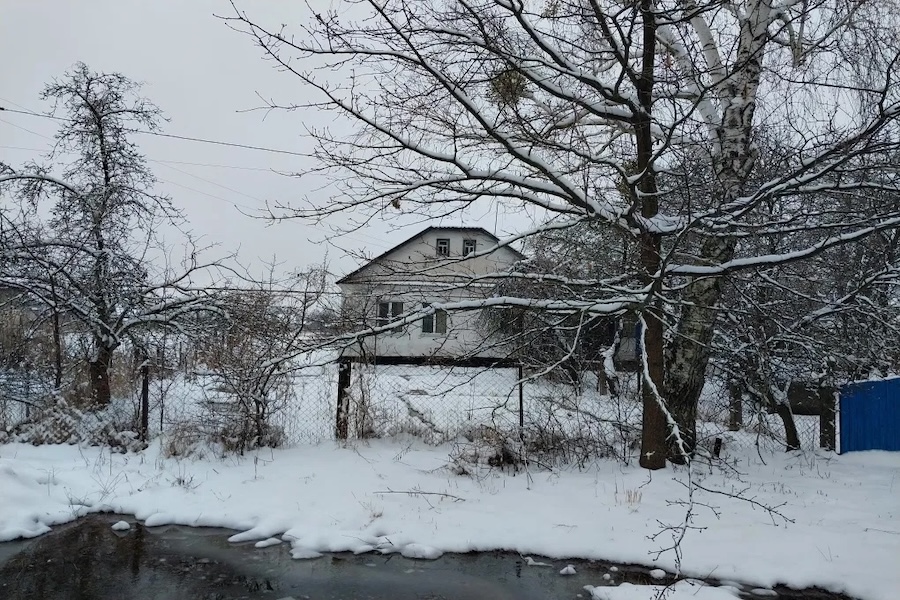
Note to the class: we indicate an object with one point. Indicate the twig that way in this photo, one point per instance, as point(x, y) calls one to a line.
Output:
point(420, 493)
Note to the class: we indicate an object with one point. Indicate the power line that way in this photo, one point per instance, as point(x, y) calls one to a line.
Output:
point(22, 148)
point(13, 103)
point(187, 138)
point(213, 165)
point(31, 113)
point(160, 161)
point(358, 236)
point(46, 137)
point(196, 191)
point(218, 143)
point(209, 181)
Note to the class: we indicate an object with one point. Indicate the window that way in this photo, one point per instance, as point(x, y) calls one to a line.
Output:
point(435, 323)
point(442, 247)
point(388, 311)
point(468, 247)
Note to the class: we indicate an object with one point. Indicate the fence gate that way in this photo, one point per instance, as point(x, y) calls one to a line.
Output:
point(870, 416)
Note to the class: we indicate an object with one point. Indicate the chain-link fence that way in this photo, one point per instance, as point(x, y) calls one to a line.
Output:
point(741, 423)
point(528, 412)
point(511, 413)
point(548, 417)
point(435, 403)
point(296, 407)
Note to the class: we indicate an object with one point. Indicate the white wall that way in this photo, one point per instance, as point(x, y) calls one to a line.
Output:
point(415, 275)
point(465, 335)
point(419, 258)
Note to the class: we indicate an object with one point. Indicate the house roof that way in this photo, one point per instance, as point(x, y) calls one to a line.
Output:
point(429, 229)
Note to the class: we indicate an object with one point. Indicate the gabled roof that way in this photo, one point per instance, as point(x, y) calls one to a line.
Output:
point(429, 229)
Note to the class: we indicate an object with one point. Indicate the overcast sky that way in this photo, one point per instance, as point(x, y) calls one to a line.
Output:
point(204, 76)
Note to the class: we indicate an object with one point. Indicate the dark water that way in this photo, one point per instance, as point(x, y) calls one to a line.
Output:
point(88, 561)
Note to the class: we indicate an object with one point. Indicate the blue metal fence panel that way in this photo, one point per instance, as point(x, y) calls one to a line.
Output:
point(870, 416)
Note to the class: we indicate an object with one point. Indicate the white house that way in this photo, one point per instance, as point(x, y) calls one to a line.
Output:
point(436, 266)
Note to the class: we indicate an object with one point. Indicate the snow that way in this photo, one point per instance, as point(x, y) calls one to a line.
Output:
point(681, 590)
point(567, 570)
point(657, 574)
point(421, 551)
point(304, 554)
point(399, 496)
point(121, 526)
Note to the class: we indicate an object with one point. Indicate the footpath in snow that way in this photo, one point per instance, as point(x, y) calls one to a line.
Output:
point(842, 530)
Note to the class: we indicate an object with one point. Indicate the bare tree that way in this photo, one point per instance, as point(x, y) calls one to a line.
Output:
point(587, 110)
point(251, 351)
point(84, 243)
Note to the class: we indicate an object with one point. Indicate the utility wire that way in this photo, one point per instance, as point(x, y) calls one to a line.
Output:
point(359, 236)
point(46, 137)
point(22, 147)
point(156, 160)
point(166, 135)
point(183, 172)
point(220, 198)
point(215, 165)
point(211, 182)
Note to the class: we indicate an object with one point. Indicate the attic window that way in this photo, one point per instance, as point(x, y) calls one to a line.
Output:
point(468, 247)
point(442, 247)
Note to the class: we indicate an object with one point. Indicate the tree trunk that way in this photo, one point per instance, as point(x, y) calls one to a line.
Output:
point(57, 352)
point(733, 164)
point(690, 350)
point(653, 425)
point(792, 440)
point(101, 393)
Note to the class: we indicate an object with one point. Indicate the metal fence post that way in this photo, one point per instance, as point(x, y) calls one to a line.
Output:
point(735, 407)
point(521, 404)
point(145, 397)
point(827, 414)
point(342, 422)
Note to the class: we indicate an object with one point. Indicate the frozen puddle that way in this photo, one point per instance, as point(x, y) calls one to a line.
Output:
point(94, 560)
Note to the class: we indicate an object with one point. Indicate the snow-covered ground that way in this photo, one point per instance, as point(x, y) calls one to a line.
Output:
point(399, 496)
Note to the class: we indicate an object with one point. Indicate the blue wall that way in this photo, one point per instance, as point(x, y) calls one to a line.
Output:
point(870, 416)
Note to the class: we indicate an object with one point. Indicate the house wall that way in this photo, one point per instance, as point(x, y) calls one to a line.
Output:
point(465, 335)
point(415, 275)
point(419, 258)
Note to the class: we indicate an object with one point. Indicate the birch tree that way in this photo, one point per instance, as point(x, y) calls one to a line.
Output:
point(587, 111)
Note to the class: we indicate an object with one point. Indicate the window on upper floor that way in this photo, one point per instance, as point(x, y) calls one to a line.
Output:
point(387, 312)
point(442, 247)
point(468, 247)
